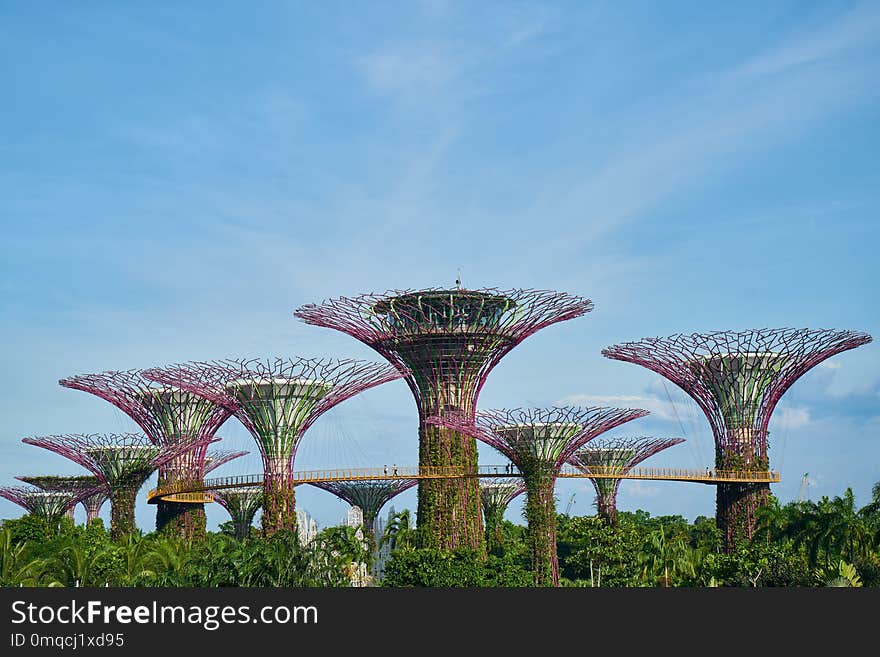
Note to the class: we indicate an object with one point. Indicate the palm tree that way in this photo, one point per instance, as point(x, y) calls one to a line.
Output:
point(662, 558)
point(16, 569)
point(400, 533)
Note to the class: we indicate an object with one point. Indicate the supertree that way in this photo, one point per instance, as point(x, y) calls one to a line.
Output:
point(617, 455)
point(242, 504)
point(496, 493)
point(122, 462)
point(277, 400)
point(368, 496)
point(737, 378)
point(539, 442)
point(445, 342)
point(168, 416)
point(41, 503)
point(90, 492)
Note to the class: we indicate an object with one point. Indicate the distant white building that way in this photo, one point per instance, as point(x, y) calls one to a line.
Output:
point(306, 527)
point(383, 552)
point(355, 518)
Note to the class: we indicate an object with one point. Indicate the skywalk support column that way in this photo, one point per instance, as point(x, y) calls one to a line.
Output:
point(445, 342)
point(737, 378)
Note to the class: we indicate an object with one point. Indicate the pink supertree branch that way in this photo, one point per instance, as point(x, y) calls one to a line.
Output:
point(548, 436)
point(215, 458)
point(737, 377)
point(41, 502)
point(166, 413)
point(298, 391)
point(621, 452)
point(445, 342)
point(114, 457)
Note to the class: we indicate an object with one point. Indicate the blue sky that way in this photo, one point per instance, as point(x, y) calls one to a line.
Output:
point(176, 180)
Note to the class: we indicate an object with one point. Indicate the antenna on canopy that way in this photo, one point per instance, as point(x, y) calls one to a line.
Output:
point(458, 279)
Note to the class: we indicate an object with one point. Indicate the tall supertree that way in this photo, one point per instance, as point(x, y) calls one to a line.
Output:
point(122, 462)
point(737, 378)
point(539, 442)
point(496, 493)
point(445, 342)
point(277, 400)
point(368, 496)
point(617, 455)
point(89, 490)
point(168, 416)
point(41, 503)
point(242, 505)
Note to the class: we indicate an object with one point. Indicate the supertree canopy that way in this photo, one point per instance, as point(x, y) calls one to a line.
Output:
point(539, 442)
point(617, 455)
point(168, 415)
point(242, 504)
point(368, 496)
point(277, 400)
point(122, 462)
point(445, 342)
point(496, 493)
point(737, 378)
point(89, 490)
point(41, 503)
point(217, 457)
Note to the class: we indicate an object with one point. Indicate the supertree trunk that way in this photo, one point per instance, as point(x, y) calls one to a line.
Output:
point(736, 505)
point(122, 502)
point(242, 527)
point(541, 518)
point(93, 506)
point(606, 508)
point(279, 501)
point(449, 515)
point(494, 534)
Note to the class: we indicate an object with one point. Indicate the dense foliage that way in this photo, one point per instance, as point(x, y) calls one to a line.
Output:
point(830, 542)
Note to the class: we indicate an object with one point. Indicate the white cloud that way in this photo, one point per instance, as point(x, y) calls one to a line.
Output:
point(791, 417)
point(664, 409)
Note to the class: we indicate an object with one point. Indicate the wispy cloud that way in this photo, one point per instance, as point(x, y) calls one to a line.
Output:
point(853, 30)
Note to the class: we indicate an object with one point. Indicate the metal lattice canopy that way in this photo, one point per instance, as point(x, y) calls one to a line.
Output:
point(496, 493)
point(530, 437)
point(242, 505)
point(239, 500)
point(40, 502)
point(737, 378)
point(63, 483)
point(445, 342)
point(116, 459)
point(616, 454)
point(368, 496)
point(619, 452)
point(166, 413)
point(277, 400)
point(217, 457)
